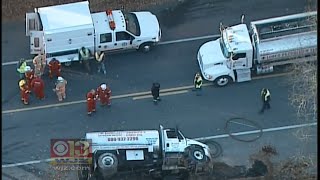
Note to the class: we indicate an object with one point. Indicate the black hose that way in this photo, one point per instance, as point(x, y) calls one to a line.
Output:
point(235, 136)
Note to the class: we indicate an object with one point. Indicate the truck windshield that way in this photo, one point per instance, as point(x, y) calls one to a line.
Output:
point(224, 49)
point(132, 24)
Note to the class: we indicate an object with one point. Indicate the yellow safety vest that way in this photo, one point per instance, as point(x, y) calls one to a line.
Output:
point(198, 82)
point(84, 55)
point(99, 57)
point(22, 67)
point(267, 95)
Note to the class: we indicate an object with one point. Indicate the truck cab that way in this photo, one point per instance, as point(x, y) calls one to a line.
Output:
point(116, 30)
point(175, 142)
point(229, 58)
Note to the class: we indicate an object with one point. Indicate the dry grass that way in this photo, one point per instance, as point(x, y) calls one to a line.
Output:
point(16, 9)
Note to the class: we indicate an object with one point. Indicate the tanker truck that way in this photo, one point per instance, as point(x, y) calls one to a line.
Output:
point(241, 53)
point(156, 153)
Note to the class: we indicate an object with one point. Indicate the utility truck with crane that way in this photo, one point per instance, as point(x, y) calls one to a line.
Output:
point(241, 52)
point(60, 31)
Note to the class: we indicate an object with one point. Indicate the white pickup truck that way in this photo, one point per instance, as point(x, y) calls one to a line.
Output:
point(60, 31)
point(155, 152)
point(241, 52)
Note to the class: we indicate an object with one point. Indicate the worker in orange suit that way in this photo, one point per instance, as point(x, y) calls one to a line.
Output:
point(91, 101)
point(24, 91)
point(37, 85)
point(54, 68)
point(104, 94)
point(29, 75)
point(61, 88)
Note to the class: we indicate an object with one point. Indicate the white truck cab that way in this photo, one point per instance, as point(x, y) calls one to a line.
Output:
point(220, 58)
point(115, 30)
point(175, 142)
point(60, 31)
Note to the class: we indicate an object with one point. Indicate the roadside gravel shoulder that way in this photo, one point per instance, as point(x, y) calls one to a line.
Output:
point(13, 10)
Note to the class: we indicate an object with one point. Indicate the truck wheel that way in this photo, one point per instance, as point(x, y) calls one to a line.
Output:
point(196, 153)
point(108, 164)
point(222, 81)
point(145, 47)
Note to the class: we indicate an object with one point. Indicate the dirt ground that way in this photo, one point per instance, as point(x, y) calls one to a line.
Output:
point(15, 9)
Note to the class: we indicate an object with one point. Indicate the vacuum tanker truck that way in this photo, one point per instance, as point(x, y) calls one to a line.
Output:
point(154, 152)
point(241, 52)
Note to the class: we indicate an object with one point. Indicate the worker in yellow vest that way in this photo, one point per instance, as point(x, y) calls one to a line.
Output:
point(21, 68)
point(100, 58)
point(197, 83)
point(84, 56)
point(265, 97)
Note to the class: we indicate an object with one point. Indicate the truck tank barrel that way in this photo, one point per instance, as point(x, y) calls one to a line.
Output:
point(286, 25)
point(118, 138)
point(286, 37)
point(301, 45)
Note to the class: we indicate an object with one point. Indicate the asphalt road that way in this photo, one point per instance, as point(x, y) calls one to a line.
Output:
point(26, 135)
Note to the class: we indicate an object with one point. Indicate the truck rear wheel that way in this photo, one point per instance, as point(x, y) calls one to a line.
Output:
point(108, 164)
point(222, 81)
point(145, 47)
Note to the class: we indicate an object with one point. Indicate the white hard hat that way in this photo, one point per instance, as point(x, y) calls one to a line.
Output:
point(103, 86)
point(60, 78)
point(27, 68)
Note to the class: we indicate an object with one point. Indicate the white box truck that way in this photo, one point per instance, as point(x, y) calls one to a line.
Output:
point(60, 31)
point(240, 53)
point(155, 152)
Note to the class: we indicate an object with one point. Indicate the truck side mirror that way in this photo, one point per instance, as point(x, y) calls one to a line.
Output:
point(242, 19)
point(179, 134)
point(221, 27)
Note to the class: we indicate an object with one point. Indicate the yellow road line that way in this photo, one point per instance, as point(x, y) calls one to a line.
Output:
point(42, 107)
point(163, 94)
point(68, 103)
point(145, 93)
